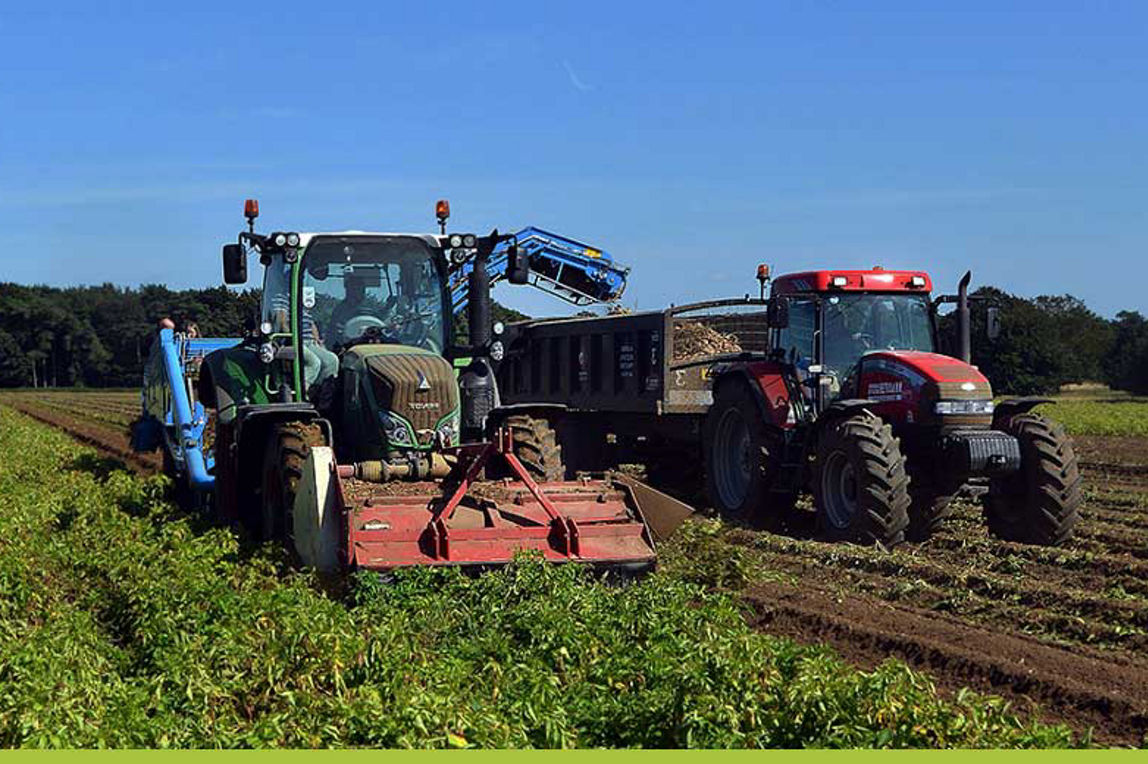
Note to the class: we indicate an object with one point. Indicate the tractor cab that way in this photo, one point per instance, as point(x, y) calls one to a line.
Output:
point(835, 318)
point(872, 335)
point(333, 292)
point(359, 326)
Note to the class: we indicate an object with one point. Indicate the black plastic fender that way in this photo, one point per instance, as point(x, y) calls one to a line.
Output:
point(1007, 409)
point(847, 407)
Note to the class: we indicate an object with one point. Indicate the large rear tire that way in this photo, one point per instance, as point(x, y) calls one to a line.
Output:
point(288, 446)
point(743, 456)
point(536, 445)
point(1040, 503)
point(860, 486)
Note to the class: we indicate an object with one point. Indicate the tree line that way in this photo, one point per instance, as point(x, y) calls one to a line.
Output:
point(1049, 341)
point(99, 336)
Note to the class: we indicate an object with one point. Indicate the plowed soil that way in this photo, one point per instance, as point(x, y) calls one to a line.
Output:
point(1062, 629)
point(1083, 688)
point(101, 420)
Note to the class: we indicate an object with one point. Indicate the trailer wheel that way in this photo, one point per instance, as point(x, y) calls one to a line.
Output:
point(287, 450)
point(1040, 503)
point(743, 458)
point(860, 486)
point(536, 446)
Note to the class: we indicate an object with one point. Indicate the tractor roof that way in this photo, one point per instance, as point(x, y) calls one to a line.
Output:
point(305, 238)
point(875, 280)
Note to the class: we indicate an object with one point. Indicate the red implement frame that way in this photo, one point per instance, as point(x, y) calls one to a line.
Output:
point(469, 523)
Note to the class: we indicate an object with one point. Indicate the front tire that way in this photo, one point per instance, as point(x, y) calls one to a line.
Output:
point(930, 503)
point(743, 456)
point(288, 447)
point(1040, 503)
point(860, 486)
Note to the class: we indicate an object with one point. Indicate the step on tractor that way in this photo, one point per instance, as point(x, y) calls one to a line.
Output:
point(353, 422)
point(833, 386)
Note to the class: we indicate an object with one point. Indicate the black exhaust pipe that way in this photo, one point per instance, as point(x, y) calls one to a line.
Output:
point(478, 307)
point(964, 330)
point(476, 382)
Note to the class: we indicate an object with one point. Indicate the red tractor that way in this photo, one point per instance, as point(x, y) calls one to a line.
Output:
point(854, 403)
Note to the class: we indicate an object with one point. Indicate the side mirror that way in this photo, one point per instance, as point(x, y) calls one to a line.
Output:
point(993, 322)
point(234, 264)
point(777, 313)
point(517, 265)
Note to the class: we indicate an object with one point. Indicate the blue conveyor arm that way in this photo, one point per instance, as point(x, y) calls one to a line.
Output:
point(178, 420)
point(568, 269)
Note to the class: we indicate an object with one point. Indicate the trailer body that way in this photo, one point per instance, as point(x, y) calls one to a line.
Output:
point(628, 363)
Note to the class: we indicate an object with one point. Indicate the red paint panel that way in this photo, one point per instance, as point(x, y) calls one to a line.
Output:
point(771, 381)
point(934, 366)
point(856, 281)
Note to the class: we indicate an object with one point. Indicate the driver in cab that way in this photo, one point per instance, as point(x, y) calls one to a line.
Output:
point(351, 306)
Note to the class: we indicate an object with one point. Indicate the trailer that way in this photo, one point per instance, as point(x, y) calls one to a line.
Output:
point(633, 386)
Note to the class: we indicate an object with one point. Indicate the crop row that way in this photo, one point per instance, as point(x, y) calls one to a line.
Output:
point(125, 622)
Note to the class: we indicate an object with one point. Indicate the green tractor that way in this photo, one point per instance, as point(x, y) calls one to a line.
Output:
point(343, 427)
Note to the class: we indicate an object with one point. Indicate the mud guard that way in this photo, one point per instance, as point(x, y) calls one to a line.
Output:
point(230, 378)
point(848, 406)
point(1007, 409)
point(740, 374)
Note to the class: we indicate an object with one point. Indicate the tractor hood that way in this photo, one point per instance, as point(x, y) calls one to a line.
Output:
point(909, 384)
point(400, 397)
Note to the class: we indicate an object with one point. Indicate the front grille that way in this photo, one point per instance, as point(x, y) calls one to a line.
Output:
point(418, 387)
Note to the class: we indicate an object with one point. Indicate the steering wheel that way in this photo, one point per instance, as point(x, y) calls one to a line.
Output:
point(359, 325)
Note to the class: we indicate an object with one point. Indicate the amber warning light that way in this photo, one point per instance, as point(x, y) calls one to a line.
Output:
point(251, 209)
point(442, 212)
point(762, 278)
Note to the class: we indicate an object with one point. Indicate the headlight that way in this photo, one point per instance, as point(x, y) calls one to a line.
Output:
point(448, 432)
point(293, 240)
point(455, 241)
point(266, 352)
point(468, 240)
point(963, 407)
point(497, 351)
point(280, 239)
point(397, 432)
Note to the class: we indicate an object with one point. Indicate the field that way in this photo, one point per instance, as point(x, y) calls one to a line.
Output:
point(700, 654)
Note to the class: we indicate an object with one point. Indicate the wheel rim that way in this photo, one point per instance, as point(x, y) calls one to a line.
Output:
point(839, 490)
point(733, 459)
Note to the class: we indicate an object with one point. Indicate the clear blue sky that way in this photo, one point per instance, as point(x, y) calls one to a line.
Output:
point(692, 141)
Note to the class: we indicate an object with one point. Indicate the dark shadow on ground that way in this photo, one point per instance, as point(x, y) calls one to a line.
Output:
point(99, 465)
